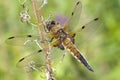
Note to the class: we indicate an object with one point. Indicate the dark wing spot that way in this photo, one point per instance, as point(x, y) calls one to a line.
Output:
point(77, 2)
point(96, 19)
point(83, 27)
point(72, 13)
point(39, 51)
point(21, 59)
point(29, 35)
point(11, 37)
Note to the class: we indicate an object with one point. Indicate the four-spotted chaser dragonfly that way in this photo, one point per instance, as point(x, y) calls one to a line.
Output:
point(61, 36)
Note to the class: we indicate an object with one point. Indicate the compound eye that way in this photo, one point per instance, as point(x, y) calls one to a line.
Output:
point(53, 22)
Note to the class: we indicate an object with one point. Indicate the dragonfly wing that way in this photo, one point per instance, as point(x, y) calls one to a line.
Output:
point(36, 60)
point(75, 17)
point(33, 61)
point(22, 40)
point(87, 31)
point(57, 56)
point(61, 19)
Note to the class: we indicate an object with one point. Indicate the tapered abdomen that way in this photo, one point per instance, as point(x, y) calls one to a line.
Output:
point(76, 53)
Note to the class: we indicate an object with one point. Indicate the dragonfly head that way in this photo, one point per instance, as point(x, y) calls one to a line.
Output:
point(50, 24)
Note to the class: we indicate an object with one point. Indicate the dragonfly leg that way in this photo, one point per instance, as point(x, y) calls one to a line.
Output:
point(51, 39)
point(61, 46)
point(57, 43)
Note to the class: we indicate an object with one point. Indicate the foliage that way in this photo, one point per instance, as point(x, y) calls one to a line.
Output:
point(102, 52)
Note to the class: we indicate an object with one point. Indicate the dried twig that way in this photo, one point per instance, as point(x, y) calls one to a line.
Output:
point(46, 48)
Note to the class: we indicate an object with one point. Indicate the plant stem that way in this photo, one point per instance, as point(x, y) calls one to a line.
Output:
point(45, 45)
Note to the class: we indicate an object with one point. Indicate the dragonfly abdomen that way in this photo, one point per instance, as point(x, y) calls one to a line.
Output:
point(76, 53)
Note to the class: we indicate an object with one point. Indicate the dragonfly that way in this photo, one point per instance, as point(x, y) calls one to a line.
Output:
point(61, 35)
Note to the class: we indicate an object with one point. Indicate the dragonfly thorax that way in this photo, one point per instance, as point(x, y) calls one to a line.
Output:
point(62, 34)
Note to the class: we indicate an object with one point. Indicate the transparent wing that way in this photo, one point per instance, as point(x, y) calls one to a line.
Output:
point(33, 61)
point(36, 60)
point(23, 40)
point(57, 56)
point(88, 31)
point(75, 17)
point(61, 19)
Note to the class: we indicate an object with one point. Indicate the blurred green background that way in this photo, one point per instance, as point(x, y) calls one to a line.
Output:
point(103, 52)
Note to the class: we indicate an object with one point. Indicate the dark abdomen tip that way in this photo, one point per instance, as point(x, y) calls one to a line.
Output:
point(85, 63)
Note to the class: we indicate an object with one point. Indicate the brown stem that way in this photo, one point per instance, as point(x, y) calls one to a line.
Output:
point(46, 48)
